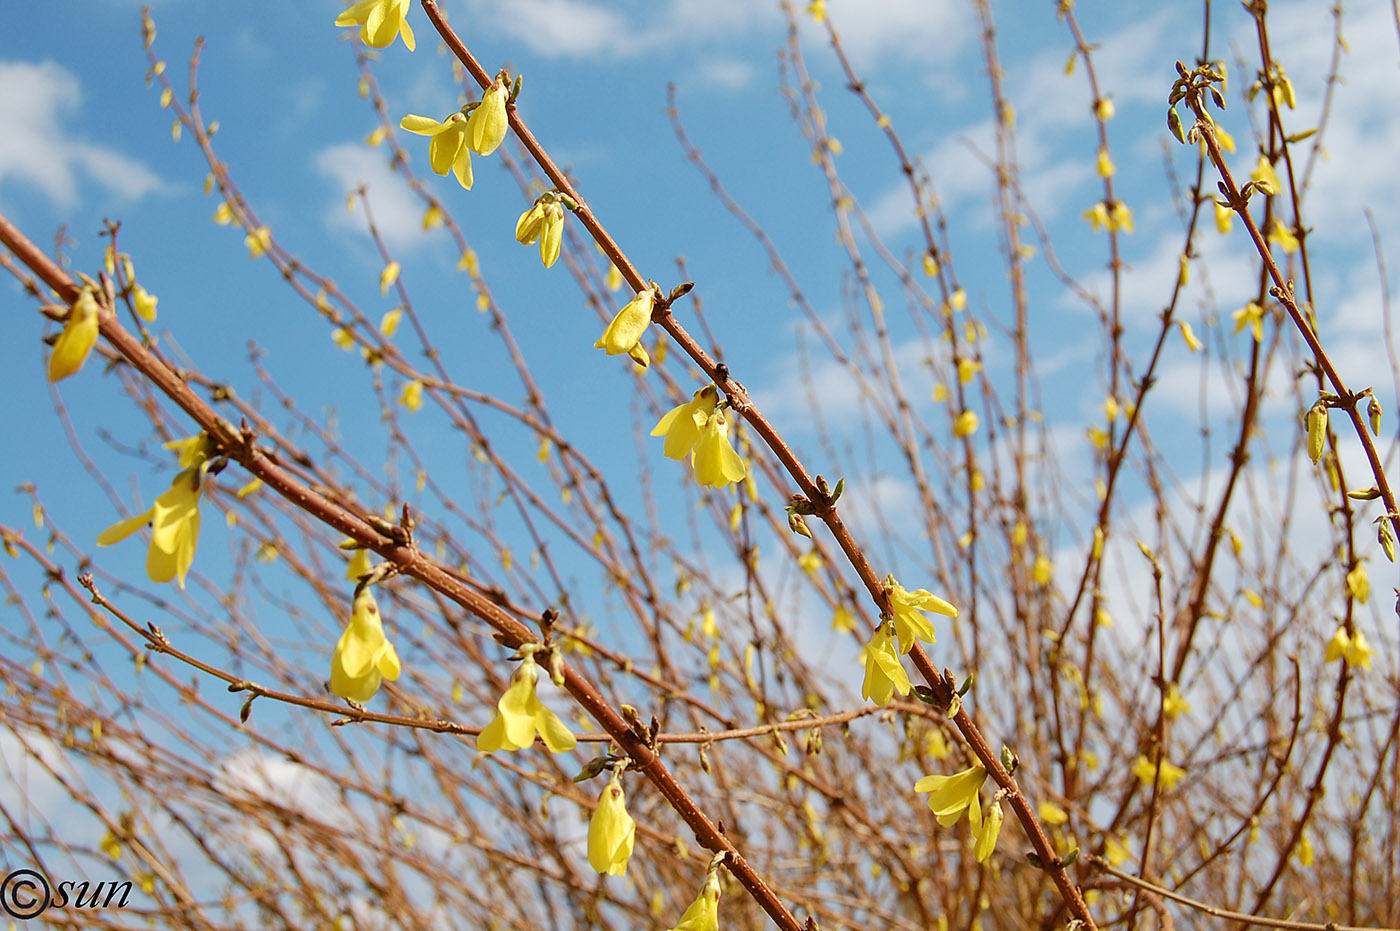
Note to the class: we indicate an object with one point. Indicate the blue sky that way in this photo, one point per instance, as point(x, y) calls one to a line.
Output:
point(86, 139)
point(89, 141)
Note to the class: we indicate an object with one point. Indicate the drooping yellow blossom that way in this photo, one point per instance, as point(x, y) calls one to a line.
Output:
point(883, 673)
point(1106, 167)
point(952, 796)
point(1120, 217)
point(1304, 853)
point(1173, 705)
point(967, 368)
point(389, 323)
point(1097, 216)
point(1051, 813)
point(628, 326)
point(1250, 315)
point(1359, 584)
point(1148, 773)
point(411, 396)
point(358, 565)
point(1103, 109)
point(174, 518)
point(543, 221)
point(388, 276)
point(714, 461)
point(965, 424)
point(817, 10)
point(448, 150)
point(611, 832)
point(1265, 177)
point(79, 335)
point(703, 913)
point(486, 128)
point(989, 832)
point(144, 303)
point(1224, 217)
point(522, 716)
point(1356, 652)
point(363, 656)
point(111, 846)
point(1042, 571)
point(682, 424)
point(843, 621)
point(909, 608)
point(1283, 235)
point(258, 241)
point(380, 22)
point(1188, 334)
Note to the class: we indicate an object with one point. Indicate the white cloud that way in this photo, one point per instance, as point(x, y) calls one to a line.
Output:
point(726, 73)
point(911, 29)
point(398, 212)
point(39, 148)
point(558, 28)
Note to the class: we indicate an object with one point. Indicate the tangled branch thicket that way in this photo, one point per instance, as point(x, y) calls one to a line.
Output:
point(1183, 709)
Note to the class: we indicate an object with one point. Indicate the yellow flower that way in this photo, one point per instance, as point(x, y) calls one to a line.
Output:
point(486, 128)
point(1359, 584)
point(545, 222)
point(258, 241)
point(144, 302)
point(1283, 235)
point(817, 10)
point(364, 656)
point(1250, 315)
point(703, 913)
point(682, 424)
point(1360, 652)
point(174, 520)
point(953, 795)
point(843, 621)
point(1051, 813)
point(1304, 853)
point(1224, 217)
point(111, 846)
point(1188, 334)
point(629, 324)
point(388, 276)
point(908, 609)
point(883, 674)
point(1120, 217)
point(1105, 164)
point(1169, 775)
point(990, 831)
point(1103, 108)
point(411, 396)
point(449, 150)
point(1097, 216)
point(78, 337)
point(358, 565)
point(1173, 705)
point(1356, 652)
point(380, 22)
point(1337, 646)
point(1264, 176)
point(522, 715)
point(611, 832)
point(715, 462)
point(965, 424)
